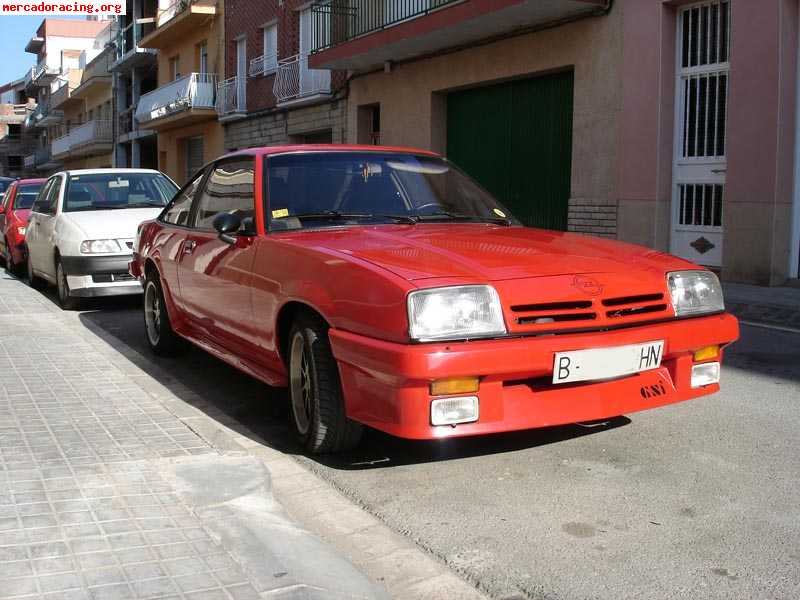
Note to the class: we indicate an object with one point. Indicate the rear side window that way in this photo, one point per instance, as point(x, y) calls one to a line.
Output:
point(177, 212)
point(229, 189)
point(26, 195)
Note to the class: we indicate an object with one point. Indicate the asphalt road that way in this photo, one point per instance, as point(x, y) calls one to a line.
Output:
point(696, 500)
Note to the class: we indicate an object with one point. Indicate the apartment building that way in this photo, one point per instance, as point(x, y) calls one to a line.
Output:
point(58, 45)
point(270, 94)
point(667, 123)
point(84, 97)
point(15, 142)
point(188, 37)
point(135, 72)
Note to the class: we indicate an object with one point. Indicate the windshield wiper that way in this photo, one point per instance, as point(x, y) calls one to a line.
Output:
point(444, 215)
point(144, 205)
point(335, 215)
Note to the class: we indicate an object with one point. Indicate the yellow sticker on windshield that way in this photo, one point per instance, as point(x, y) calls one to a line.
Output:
point(280, 213)
point(499, 213)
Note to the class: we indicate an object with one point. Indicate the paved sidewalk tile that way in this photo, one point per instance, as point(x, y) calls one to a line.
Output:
point(85, 513)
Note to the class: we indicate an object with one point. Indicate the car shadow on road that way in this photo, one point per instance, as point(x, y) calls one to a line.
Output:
point(259, 412)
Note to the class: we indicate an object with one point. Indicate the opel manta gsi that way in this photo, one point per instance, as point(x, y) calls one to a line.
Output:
point(386, 288)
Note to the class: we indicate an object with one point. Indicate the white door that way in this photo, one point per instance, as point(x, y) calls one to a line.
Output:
point(241, 73)
point(42, 225)
point(312, 81)
point(698, 196)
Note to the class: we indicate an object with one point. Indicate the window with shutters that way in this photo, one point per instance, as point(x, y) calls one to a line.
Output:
point(194, 155)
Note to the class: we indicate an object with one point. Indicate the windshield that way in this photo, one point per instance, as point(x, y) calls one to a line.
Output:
point(26, 194)
point(105, 191)
point(337, 188)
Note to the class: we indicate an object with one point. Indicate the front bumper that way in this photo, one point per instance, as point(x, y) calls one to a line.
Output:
point(386, 385)
point(99, 276)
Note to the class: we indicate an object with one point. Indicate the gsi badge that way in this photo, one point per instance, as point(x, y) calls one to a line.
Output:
point(606, 363)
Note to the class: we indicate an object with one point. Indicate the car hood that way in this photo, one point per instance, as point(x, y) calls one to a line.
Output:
point(110, 224)
point(486, 252)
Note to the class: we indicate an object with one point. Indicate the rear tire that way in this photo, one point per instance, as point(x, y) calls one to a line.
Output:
point(161, 338)
point(315, 392)
point(65, 300)
point(34, 280)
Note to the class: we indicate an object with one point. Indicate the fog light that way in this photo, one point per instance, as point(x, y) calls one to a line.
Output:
point(706, 353)
point(451, 411)
point(705, 374)
point(456, 385)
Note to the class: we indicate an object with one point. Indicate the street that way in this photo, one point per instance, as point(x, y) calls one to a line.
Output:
point(695, 500)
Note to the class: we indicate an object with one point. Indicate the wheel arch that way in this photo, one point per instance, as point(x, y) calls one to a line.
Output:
point(287, 315)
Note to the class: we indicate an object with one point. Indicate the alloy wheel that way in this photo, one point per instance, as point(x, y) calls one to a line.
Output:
point(152, 313)
point(301, 385)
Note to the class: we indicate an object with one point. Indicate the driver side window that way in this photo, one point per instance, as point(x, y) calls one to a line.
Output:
point(177, 211)
point(46, 201)
point(229, 189)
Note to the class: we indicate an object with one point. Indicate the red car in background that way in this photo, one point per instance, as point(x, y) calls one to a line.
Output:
point(385, 288)
point(14, 213)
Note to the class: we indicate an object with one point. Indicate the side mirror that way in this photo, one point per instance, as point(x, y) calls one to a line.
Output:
point(227, 225)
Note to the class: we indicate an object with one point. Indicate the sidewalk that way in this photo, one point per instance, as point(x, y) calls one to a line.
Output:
point(774, 306)
point(113, 487)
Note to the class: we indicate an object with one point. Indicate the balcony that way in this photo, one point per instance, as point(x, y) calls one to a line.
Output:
point(96, 75)
point(181, 102)
point(263, 65)
point(43, 116)
point(177, 19)
point(232, 98)
point(363, 34)
point(62, 95)
point(295, 83)
point(129, 53)
point(41, 160)
point(90, 139)
point(44, 74)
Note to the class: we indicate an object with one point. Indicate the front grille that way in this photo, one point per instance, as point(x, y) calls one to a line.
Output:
point(538, 316)
point(111, 277)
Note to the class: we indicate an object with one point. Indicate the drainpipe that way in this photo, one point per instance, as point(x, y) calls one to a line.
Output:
point(794, 247)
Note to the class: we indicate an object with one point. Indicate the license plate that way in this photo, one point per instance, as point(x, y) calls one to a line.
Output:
point(606, 363)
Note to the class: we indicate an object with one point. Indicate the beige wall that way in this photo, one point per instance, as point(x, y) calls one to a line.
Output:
point(413, 105)
point(171, 142)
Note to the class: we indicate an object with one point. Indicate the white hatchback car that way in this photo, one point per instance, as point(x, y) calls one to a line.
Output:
point(81, 230)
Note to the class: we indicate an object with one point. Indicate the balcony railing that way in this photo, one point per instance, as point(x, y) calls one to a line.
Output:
point(232, 96)
point(127, 39)
point(192, 91)
point(44, 74)
point(266, 64)
point(294, 80)
point(82, 137)
point(29, 75)
point(334, 22)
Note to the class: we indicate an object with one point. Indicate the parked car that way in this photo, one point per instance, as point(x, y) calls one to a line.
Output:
point(81, 228)
point(14, 213)
point(385, 288)
point(4, 183)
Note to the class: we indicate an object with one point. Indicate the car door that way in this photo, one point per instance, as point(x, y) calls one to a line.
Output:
point(175, 220)
point(37, 236)
point(214, 275)
point(5, 204)
point(47, 226)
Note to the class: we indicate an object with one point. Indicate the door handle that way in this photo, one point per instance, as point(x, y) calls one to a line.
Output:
point(189, 246)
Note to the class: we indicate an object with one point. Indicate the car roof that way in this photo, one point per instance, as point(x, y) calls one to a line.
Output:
point(103, 171)
point(268, 150)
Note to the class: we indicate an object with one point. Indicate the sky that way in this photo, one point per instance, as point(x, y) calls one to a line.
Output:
point(15, 31)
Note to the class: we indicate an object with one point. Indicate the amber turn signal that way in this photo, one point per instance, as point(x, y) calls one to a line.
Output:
point(706, 353)
point(456, 385)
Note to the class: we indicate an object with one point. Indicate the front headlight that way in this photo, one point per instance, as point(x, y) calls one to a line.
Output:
point(466, 311)
point(100, 246)
point(695, 292)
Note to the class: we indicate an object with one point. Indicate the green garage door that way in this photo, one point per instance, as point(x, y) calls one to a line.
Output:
point(515, 138)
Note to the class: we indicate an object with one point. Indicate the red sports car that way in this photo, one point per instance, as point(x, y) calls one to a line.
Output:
point(385, 288)
point(14, 213)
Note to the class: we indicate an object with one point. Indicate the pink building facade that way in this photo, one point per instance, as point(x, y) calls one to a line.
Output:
point(671, 124)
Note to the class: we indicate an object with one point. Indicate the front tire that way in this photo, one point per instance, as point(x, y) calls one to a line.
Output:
point(315, 392)
point(65, 300)
point(161, 338)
